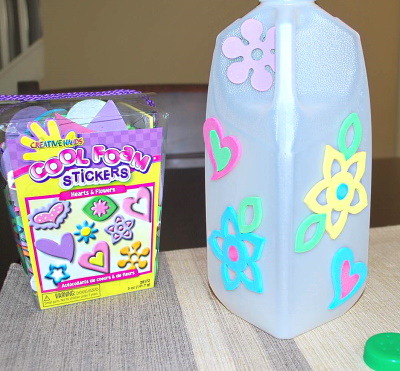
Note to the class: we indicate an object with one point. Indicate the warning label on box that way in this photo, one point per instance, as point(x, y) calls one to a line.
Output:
point(70, 296)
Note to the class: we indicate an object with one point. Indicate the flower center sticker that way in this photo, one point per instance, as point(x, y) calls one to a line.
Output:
point(343, 192)
point(257, 54)
point(238, 265)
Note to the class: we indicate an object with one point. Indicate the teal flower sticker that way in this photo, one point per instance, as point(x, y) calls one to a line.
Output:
point(237, 263)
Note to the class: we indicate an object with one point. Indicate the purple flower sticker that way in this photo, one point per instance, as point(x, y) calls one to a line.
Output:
point(258, 55)
point(120, 229)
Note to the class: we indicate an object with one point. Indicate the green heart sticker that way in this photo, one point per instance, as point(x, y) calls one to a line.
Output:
point(222, 155)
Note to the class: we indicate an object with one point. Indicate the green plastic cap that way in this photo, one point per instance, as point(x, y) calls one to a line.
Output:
point(382, 352)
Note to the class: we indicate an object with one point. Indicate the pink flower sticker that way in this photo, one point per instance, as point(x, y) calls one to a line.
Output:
point(258, 55)
point(100, 208)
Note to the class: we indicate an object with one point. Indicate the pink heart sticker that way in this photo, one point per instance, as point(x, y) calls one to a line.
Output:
point(50, 216)
point(129, 204)
point(224, 152)
point(98, 260)
point(349, 281)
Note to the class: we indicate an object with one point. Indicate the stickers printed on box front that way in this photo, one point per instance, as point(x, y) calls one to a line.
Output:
point(90, 208)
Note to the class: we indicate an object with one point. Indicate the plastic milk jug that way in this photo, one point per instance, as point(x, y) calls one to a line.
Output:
point(288, 167)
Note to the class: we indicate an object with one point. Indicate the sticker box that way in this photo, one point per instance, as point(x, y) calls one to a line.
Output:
point(85, 194)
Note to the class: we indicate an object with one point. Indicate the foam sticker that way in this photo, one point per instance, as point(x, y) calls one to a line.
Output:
point(133, 205)
point(50, 216)
point(224, 152)
point(86, 231)
point(50, 115)
point(255, 204)
point(341, 187)
point(135, 118)
point(303, 244)
point(98, 259)
point(65, 249)
point(6, 168)
point(100, 208)
point(120, 229)
point(33, 284)
point(257, 54)
point(57, 273)
point(83, 111)
point(66, 125)
point(351, 122)
point(23, 117)
point(235, 255)
point(348, 277)
point(108, 119)
point(134, 255)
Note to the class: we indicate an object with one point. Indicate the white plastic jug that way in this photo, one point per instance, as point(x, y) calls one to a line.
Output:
point(288, 167)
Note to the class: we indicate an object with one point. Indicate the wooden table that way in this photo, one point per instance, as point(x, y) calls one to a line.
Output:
point(180, 325)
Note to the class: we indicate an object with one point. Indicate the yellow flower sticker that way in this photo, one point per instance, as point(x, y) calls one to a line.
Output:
point(340, 192)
